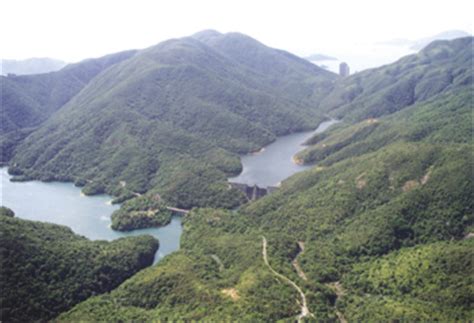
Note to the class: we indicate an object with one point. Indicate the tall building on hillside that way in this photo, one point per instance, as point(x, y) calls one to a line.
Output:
point(344, 69)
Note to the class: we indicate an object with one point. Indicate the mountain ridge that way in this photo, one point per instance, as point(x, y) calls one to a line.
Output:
point(208, 99)
point(29, 100)
point(440, 66)
point(384, 215)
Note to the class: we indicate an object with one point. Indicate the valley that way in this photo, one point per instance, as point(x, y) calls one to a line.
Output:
point(369, 221)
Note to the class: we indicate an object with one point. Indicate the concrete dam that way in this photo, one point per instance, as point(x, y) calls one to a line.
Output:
point(253, 192)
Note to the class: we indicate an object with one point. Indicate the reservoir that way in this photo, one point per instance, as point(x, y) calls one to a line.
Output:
point(89, 216)
point(274, 163)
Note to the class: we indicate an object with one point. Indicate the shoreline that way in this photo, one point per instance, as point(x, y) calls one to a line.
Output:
point(297, 161)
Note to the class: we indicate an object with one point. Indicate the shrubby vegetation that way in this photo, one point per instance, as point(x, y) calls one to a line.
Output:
point(445, 119)
point(431, 282)
point(46, 268)
point(218, 275)
point(384, 214)
point(172, 119)
point(438, 68)
point(141, 212)
point(345, 220)
point(6, 211)
point(29, 100)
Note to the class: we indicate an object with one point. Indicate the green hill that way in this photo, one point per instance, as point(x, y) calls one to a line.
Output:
point(46, 268)
point(221, 277)
point(172, 118)
point(440, 67)
point(432, 282)
point(443, 119)
point(373, 232)
point(343, 218)
point(29, 100)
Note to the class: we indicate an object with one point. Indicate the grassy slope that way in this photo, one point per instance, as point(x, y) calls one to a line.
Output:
point(47, 269)
point(172, 118)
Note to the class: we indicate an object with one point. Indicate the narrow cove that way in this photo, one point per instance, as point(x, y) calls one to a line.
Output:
point(275, 162)
point(63, 203)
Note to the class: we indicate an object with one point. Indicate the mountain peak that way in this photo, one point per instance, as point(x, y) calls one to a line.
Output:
point(206, 34)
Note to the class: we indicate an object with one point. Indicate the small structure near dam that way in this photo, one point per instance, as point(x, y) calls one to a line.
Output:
point(253, 192)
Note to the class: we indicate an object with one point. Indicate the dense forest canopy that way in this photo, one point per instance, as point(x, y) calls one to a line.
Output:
point(46, 268)
point(378, 229)
point(172, 118)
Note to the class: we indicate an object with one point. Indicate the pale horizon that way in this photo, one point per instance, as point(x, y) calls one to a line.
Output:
point(76, 30)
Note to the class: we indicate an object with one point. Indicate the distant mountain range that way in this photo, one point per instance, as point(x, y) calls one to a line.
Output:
point(320, 57)
point(31, 66)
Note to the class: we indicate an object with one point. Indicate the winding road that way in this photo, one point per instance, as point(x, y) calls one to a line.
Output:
point(304, 307)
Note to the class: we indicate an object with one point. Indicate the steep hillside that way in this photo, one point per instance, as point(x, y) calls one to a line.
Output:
point(220, 278)
point(283, 73)
point(440, 67)
point(432, 282)
point(376, 231)
point(46, 269)
point(444, 119)
point(172, 118)
point(344, 215)
point(29, 100)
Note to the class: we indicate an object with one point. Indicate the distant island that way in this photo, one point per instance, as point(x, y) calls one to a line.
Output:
point(320, 57)
point(31, 66)
point(419, 44)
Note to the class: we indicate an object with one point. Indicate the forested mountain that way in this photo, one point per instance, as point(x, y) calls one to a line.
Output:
point(172, 118)
point(29, 100)
point(379, 229)
point(443, 119)
point(46, 268)
point(440, 67)
point(30, 66)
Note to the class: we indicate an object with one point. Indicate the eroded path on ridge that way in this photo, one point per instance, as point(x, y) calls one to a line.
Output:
point(337, 288)
point(304, 306)
point(296, 264)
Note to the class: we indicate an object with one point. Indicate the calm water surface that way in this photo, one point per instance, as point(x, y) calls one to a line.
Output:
point(62, 203)
point(274, 163)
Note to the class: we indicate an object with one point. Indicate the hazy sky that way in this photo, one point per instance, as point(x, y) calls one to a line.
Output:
point(76, 29)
